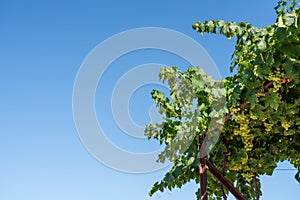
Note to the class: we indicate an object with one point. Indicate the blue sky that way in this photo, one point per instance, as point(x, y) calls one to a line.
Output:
point(42, 46)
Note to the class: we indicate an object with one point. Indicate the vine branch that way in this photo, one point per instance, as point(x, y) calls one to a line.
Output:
point(256, 187)
point(223, 172)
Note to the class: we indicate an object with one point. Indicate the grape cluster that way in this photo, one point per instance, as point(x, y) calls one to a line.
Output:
point(243, 120)
point(276, 76)
point(268, 126)
point(285, 124)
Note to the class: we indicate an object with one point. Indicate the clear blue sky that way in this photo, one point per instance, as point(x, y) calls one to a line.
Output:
point(42, 45)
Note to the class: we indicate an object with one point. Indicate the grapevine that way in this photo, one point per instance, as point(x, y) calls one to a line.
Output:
point(262, 118)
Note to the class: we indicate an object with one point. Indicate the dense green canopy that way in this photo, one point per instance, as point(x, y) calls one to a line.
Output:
point(262, 105)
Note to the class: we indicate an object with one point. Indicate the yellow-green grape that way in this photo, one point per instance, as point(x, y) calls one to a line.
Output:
point(268, 127)
point(255, 70)
point(253, 116)
point(236, 167)
point(242, 165)
point(286, 125)
point(234, 110)
point(276, 76)
point(248, 141)
point(248, 177)
point(243, 130)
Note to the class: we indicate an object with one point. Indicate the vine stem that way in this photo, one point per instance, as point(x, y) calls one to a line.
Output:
point(203, 171)
point(223, 172)
point(224, 181)
point(256, 187)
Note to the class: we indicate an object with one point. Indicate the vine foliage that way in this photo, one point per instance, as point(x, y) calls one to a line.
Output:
point(262, 119)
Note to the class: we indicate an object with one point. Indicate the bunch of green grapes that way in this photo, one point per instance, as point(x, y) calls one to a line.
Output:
point(276, 76)
point(268, 126)
point(253, 116)
point(243, 129)
point(285, 124)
